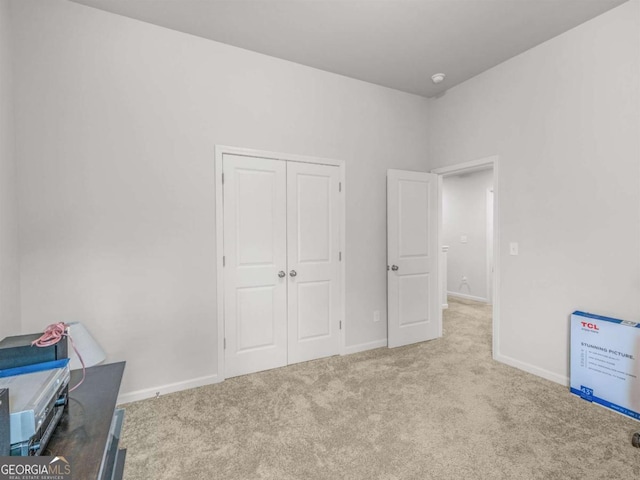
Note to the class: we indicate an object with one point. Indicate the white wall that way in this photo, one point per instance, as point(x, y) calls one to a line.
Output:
point(464, 213)
point(116, 125)
point(9, 266)
point(564, 119)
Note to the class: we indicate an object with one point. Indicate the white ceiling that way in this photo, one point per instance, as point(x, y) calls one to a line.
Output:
point(395, 43)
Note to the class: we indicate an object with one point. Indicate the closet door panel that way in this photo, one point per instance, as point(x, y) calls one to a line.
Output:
point(313, 240)
point(255, 296)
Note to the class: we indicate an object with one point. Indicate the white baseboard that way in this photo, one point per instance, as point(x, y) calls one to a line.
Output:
point(169, 388)
point(468, 297)
point(527, 367)
point(361, 347)
point(143, 394)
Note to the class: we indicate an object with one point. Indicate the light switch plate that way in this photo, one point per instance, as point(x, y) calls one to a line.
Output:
point(513, 248)
point(463, 239)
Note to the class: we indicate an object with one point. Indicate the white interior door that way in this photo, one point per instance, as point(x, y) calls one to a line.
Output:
point(412, 243)
point(313, 256)
point(255, 284)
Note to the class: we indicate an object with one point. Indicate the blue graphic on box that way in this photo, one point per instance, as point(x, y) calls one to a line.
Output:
point(605, 319)
point(586, 391)
point(605, 403)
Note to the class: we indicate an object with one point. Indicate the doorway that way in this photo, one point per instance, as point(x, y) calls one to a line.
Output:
point(467, 223)
point(474, 288)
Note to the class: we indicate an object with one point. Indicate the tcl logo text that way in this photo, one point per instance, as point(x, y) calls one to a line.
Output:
point(591, 326)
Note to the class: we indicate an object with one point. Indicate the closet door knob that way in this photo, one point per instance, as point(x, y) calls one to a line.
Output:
point(293, 273)
point(281, 274)
point(394, 268)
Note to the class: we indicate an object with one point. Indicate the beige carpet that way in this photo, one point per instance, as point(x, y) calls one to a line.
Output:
point(437, 410)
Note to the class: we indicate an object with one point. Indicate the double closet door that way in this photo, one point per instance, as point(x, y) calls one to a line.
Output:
point(281, 269)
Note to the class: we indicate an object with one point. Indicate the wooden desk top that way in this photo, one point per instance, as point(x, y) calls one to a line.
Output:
point(83, 431)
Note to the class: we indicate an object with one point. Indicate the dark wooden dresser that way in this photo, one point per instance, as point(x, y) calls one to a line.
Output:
point(89, 431)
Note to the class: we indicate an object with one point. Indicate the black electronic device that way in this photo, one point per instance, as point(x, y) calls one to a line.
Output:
point(18, 351)
point(5, 440)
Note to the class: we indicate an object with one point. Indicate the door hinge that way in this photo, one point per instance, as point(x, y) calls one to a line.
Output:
point(224, 261)
point(339, 256)
point(340, 324)
point(339, 186)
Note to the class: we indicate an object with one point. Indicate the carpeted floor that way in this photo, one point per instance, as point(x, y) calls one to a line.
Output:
point(436, 410)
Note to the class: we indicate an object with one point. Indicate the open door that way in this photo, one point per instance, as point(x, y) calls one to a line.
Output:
point(412, 256)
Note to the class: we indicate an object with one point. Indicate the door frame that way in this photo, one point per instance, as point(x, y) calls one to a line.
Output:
point(220, 151)
point(468, 167)
point(489, 208)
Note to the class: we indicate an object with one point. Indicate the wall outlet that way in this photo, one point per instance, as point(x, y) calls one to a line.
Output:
point(376, 316)
point(513, 248)
point(465, 280)
point(464, 239)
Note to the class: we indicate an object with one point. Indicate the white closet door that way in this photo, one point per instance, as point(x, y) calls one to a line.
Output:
point(255, 285)
point(313, 253)
point(412, 242)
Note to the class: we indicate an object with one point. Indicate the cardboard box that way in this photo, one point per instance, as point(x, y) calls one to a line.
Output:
point(605, 362)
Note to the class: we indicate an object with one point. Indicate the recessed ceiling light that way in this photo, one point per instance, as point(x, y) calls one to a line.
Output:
point(437, 78)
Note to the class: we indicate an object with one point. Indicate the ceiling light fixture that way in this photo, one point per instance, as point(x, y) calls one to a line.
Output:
point(437, 78)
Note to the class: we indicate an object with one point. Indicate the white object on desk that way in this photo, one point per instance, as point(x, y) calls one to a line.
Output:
point(91, 351)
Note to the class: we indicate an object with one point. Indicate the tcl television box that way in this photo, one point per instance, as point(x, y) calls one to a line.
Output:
point(605, 362)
